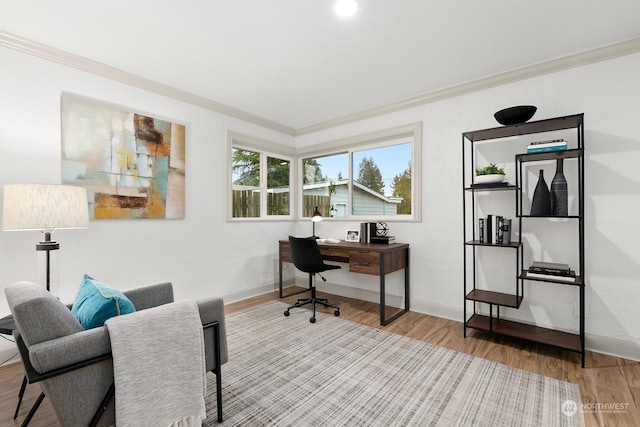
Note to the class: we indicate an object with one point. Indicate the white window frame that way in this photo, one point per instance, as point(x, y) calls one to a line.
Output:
point(250, 143)
point(377, 139)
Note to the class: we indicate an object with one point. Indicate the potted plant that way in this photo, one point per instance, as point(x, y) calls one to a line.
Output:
point(489, 174)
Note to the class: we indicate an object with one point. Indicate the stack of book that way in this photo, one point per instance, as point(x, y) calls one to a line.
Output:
point(494, 229)
point(548, 145)
point(385, 240)
point(551, 270)
point(369, 234)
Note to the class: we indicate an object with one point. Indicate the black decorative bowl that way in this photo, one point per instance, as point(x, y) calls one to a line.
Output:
point(515, 115)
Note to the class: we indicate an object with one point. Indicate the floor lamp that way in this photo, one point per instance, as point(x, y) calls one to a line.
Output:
point(44, 207)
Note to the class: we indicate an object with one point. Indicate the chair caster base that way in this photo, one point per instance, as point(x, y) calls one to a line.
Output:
point(286, 313)
point(312, 320)
point(336, 313)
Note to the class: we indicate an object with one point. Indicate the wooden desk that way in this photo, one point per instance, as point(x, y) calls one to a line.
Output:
point(375, 259)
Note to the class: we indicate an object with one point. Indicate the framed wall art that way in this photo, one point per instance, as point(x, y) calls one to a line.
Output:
point(132, 164)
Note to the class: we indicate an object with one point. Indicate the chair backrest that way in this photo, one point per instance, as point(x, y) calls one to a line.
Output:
point(306, 255)
point(39, 315)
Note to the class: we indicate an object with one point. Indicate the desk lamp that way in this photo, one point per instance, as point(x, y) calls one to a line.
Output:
point(44, 207)
point(316, 217)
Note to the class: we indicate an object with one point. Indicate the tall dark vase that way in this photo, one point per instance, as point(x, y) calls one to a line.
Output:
point(559, 198)
point(541, 203)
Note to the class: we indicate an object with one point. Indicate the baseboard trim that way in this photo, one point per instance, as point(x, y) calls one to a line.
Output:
point(249, 293)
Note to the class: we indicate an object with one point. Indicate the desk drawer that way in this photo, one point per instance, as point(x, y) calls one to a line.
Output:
point(333, 253)
point(366, 262)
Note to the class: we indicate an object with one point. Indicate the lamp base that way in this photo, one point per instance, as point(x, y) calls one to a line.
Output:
point(47, 265)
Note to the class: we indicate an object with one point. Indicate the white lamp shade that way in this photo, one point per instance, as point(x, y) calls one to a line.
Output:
point(44, 207)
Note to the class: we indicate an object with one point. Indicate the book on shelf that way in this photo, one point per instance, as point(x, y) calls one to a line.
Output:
point(551, 276)
point(549, 142)
point(545, 149)
point(506, 231)
point(551, 268)
point(549, 145)
point(499, 229)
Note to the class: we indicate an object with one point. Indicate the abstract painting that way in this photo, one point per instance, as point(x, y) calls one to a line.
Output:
point(132, 165)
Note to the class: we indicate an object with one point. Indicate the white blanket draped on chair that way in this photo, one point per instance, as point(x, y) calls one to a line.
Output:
point(159, 366)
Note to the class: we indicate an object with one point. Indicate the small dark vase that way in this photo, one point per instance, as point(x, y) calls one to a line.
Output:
point(541, 203)
point(559, 198)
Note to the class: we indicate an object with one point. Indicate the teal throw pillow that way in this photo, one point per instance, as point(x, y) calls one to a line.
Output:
point(97, 302)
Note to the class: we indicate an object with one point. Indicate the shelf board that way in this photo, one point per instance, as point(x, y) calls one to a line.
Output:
point(551, 216)
point(498, 298)
point(495, 245)
point(548, 125)
point(491, 188)
point(565, 340)
point(550, 155)
point(578, 281)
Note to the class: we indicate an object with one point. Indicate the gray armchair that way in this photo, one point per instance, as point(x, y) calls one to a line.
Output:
point(74, 366)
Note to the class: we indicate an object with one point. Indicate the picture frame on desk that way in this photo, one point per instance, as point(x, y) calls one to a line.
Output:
point(353, 236)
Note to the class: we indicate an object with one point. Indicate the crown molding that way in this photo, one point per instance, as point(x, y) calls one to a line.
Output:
point(604, 53)
point(48, 53)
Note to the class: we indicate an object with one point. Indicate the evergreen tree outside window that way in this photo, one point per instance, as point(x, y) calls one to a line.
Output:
point(367, 177)
point(260, 181)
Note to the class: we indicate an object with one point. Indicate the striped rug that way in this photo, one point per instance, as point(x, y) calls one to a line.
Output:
point(285, 371)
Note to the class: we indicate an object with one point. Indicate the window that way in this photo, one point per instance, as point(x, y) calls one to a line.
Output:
point(260, 181)
point(370, 176)
point(375, 176)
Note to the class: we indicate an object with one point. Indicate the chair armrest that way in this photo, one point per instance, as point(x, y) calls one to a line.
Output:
point(212, 310)
point(64, 351)
point(150, 296)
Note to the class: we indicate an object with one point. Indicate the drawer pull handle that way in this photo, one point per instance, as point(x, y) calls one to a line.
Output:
point(363, 263)
point(363, 252)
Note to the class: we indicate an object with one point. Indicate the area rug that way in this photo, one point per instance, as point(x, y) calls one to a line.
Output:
point(285, 371)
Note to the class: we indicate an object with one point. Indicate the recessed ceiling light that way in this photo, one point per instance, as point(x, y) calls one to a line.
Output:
point(346, 8)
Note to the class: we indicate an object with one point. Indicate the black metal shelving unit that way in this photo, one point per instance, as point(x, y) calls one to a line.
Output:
point(493, 322)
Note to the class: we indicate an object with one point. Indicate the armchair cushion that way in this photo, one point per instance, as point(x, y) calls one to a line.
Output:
point(97, 302)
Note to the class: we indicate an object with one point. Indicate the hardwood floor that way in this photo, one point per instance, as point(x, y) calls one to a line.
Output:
point(610, 386)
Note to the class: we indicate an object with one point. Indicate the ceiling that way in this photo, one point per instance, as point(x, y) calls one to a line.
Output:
point(295, 63)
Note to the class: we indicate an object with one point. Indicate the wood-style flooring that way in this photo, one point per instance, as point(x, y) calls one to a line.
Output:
point(606, 380)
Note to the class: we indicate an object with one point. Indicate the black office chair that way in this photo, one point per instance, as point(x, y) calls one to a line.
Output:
point(306, 257)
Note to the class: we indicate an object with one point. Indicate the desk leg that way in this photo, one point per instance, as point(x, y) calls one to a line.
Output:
point(406, 284)
point(280, 272)
point(383, 321)
point(383, 304)
point(280, 293)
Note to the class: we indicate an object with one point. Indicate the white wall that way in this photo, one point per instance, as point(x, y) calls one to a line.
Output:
point(609, 95)
point(204, 255)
